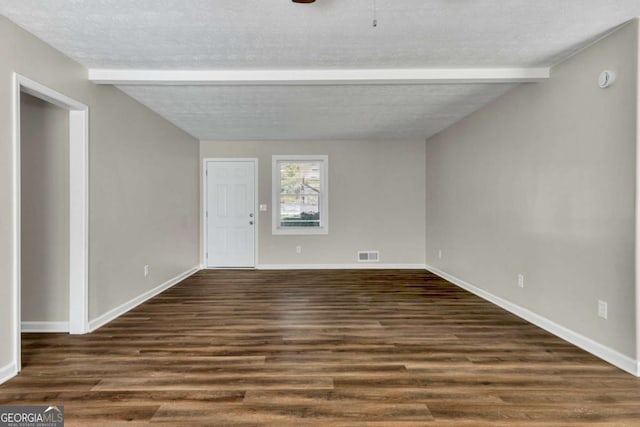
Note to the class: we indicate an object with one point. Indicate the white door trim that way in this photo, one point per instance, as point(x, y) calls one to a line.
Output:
point(78, 205)
point(205, 204)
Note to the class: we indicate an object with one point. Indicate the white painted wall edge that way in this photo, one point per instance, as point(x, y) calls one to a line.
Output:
point(319, 77)
point(614, 357)
point(362, 266)
point(112, 314)
point(637, 217)
point(78, 205)
point(45, 326)
point(7, 372)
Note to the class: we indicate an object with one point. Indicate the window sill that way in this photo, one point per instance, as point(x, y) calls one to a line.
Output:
point(300, 231)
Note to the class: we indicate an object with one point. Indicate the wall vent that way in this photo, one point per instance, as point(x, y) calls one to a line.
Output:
point(368, 256)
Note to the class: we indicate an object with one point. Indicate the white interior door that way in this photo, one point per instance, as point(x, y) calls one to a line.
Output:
point(230, 213)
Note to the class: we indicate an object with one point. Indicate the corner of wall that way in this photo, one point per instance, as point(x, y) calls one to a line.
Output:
point(636, 23)
point(7, 372)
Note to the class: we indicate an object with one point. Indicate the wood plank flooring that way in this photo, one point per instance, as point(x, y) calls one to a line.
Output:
point(321, 348)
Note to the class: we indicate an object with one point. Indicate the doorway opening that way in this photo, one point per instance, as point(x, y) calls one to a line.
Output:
point(70, 211)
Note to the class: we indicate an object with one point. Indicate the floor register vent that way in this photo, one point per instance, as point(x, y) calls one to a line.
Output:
point(368, 256)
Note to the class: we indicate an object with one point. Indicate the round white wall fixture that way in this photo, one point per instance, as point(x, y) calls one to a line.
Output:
point(606, 78)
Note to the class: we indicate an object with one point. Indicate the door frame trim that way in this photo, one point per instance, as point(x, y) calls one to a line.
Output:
point(78, 206)
point(204, 222)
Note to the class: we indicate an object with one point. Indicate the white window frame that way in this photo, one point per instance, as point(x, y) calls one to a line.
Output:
point(324, 194)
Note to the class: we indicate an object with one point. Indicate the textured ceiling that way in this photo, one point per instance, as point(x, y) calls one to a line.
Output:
point(329, 33)
point(315, 112)
point(277, 34)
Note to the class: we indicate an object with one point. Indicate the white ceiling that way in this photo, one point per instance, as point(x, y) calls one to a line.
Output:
point(329, 34)
point(315, 112)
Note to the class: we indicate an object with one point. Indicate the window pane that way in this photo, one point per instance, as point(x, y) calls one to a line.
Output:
point(300, 177)
point(300, 194)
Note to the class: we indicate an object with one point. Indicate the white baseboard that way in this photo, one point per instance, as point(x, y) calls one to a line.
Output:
point(360, 266)
point(610, 355)
point(44, 326)
point(123, 308)
point(7, 372)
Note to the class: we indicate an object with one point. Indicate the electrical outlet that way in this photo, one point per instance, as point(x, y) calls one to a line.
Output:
point(146, 270)
point(439, 253)
point(602, 309)
point(298, 249)
point(263, 208)
point(521, 280)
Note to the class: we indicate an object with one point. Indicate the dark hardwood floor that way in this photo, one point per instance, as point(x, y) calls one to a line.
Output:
point(297, 348)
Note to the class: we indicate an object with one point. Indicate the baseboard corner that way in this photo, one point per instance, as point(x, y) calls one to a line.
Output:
point(7, 372)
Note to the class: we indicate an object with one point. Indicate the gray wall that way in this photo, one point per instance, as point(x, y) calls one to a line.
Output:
point(145, 205)
point(542, 182)
point(143, 176)
point(376, 200)
point(45, 210)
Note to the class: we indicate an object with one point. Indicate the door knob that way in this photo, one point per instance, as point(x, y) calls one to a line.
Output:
point(250, 215)
point(250, 222)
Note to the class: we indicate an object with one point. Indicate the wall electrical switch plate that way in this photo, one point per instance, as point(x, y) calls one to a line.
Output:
point(298, 249)
point(439, 253)
point(602, 309)
point(146, 271)
point(521, 280)
point(263, 208)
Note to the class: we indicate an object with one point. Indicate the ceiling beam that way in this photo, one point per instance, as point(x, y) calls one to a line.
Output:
point(319, 77)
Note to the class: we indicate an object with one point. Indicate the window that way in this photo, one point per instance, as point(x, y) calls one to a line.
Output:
point(300, 195)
